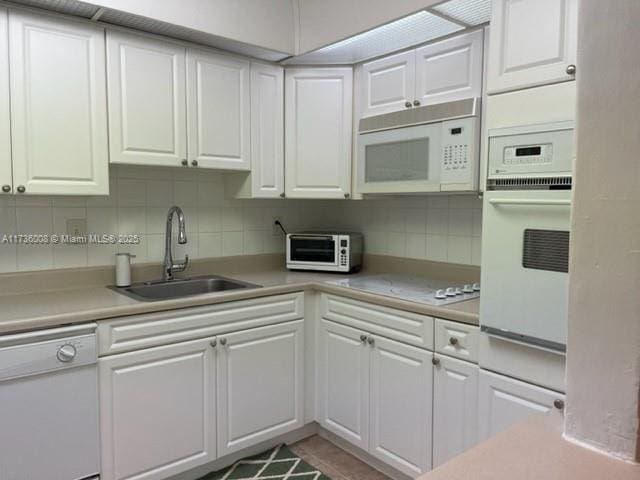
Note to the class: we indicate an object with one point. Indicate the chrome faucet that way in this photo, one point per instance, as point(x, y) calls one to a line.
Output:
point(169, 266)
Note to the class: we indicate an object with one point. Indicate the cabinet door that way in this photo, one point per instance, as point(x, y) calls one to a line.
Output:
point(157, 411)
point(218, 111)
point(260, 385)
point(318, 125)
point(503, 402)
point(58, 106)
point(401, 399)
point(147, 100)
point(267, 130)
point(450, 70)
point(455, 408)
point(386, 85)
point(6, 180)
point(532, 43)
point(343, 381)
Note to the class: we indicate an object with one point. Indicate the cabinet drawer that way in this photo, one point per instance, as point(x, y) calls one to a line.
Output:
point(406, 327)
point(148, 330)
point(457, 340)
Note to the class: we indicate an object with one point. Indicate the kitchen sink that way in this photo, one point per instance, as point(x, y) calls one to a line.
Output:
point(161, 290)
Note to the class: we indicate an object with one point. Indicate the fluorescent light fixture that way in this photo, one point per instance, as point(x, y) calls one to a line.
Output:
point(406, 32)
point(470, 12)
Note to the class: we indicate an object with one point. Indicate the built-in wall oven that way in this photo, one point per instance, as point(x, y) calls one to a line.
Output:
point(526, 228)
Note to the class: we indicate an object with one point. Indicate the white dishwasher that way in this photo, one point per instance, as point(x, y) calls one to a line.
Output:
point(49, 405)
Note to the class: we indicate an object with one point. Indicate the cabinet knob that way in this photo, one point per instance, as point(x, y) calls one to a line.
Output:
point(346, 195)
point(213, 342)
point(435, 361)
point(223, 341)
point(21, 189)
point(371, 340)
point(282, 195)
point(571, 69)
point(185, 162)
point(416, 103)
point(559, 404)
point(363, 338)
point(407, 104)
point(194, 163)
point(453, 341)
point(6, 188)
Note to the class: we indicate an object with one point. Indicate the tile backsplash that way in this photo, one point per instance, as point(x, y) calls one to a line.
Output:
point(442, 228)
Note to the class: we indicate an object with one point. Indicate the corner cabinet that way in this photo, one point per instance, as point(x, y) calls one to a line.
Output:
point(58, 106)
point(158, 411)
point(318, 125)
point(532, 42)
point(266, 179)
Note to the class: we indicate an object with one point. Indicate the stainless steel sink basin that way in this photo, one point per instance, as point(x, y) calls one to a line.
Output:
point(161, 290)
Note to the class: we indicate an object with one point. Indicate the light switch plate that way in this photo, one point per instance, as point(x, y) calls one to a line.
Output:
point(77, 226)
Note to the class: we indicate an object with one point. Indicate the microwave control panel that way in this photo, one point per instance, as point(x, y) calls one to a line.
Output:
point(458, 151)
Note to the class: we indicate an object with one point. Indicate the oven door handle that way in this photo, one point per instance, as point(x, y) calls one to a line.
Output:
point(311, 237)
point(524, 201)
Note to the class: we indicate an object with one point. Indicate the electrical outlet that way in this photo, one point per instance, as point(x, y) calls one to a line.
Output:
point(77, 226)
point(275, 229)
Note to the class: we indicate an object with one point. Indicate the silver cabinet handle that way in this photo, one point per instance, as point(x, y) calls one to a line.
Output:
point(194, 163)
point(416, 103)
point(435, 361)
point(6, 188)
point(346, 195)
point(213, 342)
point(407, 104)
point(223, 341)
point(559, 404)
point(21, 189)
point(571, 69)
point(453, 341)
point(282, 195)
point(363, 338)
point(371, 340)
point(185, 162)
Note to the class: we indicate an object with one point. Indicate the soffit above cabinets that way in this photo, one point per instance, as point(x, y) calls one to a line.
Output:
point(115, 17)
point(438, 21)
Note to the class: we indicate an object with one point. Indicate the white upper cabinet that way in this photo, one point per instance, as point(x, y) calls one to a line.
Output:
point(387, 84)
point(450, 70)
point(436, 73)
point(503, 402)
point(147, 100)
point(455, 408)
point(6, 181)
point(58, 106)
point(318, 127)
point(260, 385)
point(533, 42)
point(218, 111)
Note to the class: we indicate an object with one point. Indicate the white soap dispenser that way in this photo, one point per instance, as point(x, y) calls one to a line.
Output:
point(123, 269)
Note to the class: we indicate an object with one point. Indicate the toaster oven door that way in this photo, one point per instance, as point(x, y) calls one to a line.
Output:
point(318, 250)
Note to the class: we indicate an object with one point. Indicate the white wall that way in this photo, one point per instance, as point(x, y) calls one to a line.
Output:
point(326, 21)
point(266, 23)
point(603, 356)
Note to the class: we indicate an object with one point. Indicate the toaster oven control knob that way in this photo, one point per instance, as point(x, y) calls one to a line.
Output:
point(343, 251)
point(440, 294)
point(450, 292)
point(66, 353)
point(468, 288)
point(476, 287)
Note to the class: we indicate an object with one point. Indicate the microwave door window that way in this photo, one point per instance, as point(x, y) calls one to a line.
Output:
point(312, 250)
point(401, 161)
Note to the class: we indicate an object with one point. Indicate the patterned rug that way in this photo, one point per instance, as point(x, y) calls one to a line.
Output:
point(279, 463)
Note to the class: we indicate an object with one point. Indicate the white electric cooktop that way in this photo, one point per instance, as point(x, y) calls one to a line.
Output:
point(413, 288)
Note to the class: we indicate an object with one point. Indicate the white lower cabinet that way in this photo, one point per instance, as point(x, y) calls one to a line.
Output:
point(260, 385)
point(503, 402)
point(455, 408)
point(157, 411)
point(376, 393)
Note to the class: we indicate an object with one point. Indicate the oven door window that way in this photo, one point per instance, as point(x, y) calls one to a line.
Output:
point(322, 250)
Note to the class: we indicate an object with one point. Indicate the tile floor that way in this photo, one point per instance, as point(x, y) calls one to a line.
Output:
point(333, 461)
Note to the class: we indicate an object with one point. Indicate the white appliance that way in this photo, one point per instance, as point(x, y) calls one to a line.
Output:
point(434, 148)
point(526, 227)
point(49, 405)
point(330, 252)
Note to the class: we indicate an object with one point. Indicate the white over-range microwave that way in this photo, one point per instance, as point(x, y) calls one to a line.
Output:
point(434, 148)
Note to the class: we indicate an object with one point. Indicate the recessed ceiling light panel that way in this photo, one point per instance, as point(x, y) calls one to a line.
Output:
point(471, 12)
